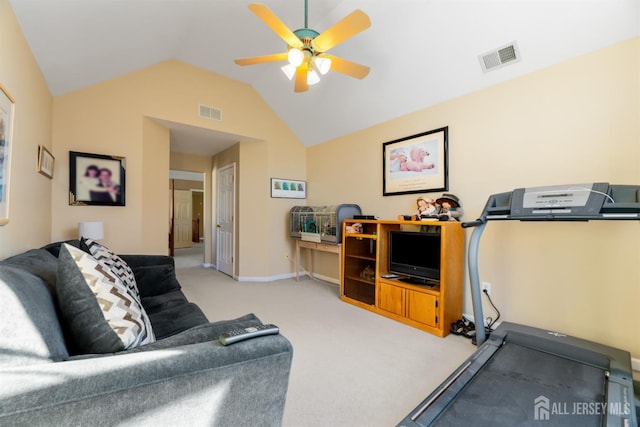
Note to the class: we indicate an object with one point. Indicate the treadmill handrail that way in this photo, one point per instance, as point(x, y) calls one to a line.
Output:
point(474, 280)
point(476, 223)
point(505, 212)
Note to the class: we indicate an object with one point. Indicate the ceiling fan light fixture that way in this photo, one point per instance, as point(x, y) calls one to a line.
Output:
point(289, 71)
point(312, 77)
point(295, 56)
point(306, 48)
point(322, 64)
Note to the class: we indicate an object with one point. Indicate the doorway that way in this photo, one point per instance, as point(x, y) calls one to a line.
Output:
point(201, 149)
point(225, 219)
point(182, 208)
point(186, 218)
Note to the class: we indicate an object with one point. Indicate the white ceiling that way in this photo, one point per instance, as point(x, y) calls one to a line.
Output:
point(421, 52)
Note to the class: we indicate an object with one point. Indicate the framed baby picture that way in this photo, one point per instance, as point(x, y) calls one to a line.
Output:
point(416, 163)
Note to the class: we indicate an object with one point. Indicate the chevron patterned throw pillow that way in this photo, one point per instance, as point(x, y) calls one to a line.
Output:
point(102, 316)
point(116, 264)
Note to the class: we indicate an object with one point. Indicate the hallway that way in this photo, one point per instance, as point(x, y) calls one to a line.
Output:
point(190, 257)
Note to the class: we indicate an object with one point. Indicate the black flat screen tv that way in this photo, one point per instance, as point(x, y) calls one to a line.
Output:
point(415, 255)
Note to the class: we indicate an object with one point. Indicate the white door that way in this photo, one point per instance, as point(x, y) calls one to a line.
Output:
point(225, 219)
point(182, 219)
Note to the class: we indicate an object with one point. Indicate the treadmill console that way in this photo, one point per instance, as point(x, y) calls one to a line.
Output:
point(569, 200)
point(584, 202)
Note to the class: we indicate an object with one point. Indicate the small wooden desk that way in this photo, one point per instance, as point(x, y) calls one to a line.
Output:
point(324, 247)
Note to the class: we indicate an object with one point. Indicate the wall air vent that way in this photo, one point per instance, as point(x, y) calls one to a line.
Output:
point(499, 57)
point(210, 113)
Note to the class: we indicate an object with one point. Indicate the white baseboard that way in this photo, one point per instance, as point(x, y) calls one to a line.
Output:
point(286, 276)
point(267, 278)
point(207, 265)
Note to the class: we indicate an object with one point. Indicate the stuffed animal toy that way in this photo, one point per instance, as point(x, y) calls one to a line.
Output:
point(449, 206)
point(426, 207)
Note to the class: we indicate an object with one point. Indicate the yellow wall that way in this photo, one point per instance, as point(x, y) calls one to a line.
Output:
point(30, 193)
point(155, 167)
point(112, 117)
point(575, 122)
point(255, 205)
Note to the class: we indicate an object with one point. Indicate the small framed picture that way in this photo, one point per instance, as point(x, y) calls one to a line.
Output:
point(96, 179)
point(288, 188)
point(46, 162)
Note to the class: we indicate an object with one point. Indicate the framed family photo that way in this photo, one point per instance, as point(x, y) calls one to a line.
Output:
point(416, 163)
point(7, 107)
point(96, 179)
point(288, 188)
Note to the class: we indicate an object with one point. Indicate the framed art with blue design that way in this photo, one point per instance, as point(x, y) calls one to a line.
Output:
point(288, 188)
point(96, 179)
point(7, 107)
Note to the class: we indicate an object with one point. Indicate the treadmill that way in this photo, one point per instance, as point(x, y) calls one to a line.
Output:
point(525, 376)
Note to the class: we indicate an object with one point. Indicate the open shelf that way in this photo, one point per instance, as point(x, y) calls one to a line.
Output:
point(365, 257)
point(361, 235)
point(430, 308)
point(361, 279)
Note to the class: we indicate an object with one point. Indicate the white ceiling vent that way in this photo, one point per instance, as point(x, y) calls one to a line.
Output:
point(499, 57)
point(209, 112)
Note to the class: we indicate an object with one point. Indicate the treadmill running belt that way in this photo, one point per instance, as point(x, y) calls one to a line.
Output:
point(505, 390)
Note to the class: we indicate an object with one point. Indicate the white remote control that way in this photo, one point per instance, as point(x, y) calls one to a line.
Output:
point(237, 335)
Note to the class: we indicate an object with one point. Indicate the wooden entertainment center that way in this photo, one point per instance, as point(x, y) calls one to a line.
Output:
point(365, 259)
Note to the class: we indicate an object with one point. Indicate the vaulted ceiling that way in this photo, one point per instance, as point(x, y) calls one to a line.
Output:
point(421, 52)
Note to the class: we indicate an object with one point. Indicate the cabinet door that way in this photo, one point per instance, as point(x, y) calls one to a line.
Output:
point(391, 299)
point(422, 308)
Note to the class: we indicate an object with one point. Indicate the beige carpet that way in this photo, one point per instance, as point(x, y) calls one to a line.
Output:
point(190, 257)
point(350, 367)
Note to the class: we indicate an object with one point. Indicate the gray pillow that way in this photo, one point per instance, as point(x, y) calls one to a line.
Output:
point(99, 311)
point(30, 332)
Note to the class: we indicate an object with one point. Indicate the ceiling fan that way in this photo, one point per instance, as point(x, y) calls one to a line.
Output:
point(307, 48)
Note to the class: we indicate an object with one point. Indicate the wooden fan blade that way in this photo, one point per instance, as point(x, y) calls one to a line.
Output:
point(301, 79)
point(262, 59)
point(349, 68)
point(342, 30)
point(273, 22)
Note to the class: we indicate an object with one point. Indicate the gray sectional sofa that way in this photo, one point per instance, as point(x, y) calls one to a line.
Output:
point(184, 378)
